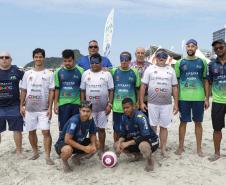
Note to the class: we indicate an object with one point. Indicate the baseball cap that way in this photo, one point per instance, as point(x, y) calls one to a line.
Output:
point(219, 41)
point(192, 41)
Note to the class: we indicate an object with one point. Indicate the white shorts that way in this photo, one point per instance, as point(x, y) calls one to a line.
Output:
point(100, 119)
point(36, 120)
point(161, 115)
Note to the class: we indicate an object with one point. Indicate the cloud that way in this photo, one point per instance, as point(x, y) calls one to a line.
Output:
point(145, 7)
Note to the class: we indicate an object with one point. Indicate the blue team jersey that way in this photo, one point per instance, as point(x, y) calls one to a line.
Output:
point(68, 82)
point(78, 129)
point(216, 75)
point(9, 86)
point(137, 127)
point(84, 62)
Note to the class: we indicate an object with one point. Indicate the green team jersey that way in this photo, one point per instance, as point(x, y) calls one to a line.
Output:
point(68, 81)
point(125, 84)
point(191, 74)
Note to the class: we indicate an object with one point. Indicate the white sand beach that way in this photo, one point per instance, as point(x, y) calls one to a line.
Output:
point(185, 169)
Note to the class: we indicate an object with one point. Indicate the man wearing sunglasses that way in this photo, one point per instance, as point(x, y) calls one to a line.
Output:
point(126, 84)
point(97, 86)
point(93, 48)
point(217, 80)
point(161, 82)
point(10, 77)
point(191, 73)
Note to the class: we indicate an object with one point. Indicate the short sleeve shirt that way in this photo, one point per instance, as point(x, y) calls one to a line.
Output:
point(216, 75)
point(125, 84)
point(68, 82)
point(9, 86)
point(159, 81)
point(96, 86)
point(135, 126)
point(78, 129)
point(38, 84)
point(191, 74)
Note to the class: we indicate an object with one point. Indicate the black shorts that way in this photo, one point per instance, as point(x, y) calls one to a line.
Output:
point(218, 116)
point(135, 148)
point(60, 145)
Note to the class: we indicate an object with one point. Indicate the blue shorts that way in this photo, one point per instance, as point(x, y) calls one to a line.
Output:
point(12, 115)
point(196, 108)
point(65, 113)
point(117, 121)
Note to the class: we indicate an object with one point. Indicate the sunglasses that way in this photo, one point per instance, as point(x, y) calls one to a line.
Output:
point(4, 57)
point(90, 47)
point(124, 58)
point(219, 48)
point(95, 61)
point(162, 55)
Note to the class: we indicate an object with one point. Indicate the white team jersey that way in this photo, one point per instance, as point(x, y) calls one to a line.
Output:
point(96, 85)
point(38, 84)
point(160, 81)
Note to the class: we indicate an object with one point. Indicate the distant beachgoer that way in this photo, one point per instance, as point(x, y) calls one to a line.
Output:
point(10, 77)
point(217, 79)
point(37, 91)
point(93, 48)
point(191, 73)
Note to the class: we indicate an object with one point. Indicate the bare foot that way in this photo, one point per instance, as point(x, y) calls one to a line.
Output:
point(136, 157)
point(200, 153)
point(150, 165)
point(164, 154)
point(214, 158)
point(66, 167)
point(49, 161)
point(76, 161)
point(179, 151)
point(35, 156)
point(20, 155)
point(100, 153)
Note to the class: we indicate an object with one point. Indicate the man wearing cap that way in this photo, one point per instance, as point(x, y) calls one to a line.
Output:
point(161, 82)
point(141, 65)
point(217, 80)
point(10, 77)
point(193, 88)
point(93, 48)
point(97, 86)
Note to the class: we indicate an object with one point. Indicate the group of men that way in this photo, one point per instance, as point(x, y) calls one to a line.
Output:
point(139, 94)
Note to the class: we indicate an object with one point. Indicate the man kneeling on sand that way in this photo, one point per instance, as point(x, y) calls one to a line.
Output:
point(73, 139)
point(136, 135)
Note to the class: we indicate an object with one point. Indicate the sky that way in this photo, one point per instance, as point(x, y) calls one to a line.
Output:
point(55, 25)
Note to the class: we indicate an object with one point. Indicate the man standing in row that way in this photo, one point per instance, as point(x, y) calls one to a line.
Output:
point(10, 77)
point(193, 87)
point(141, 65)
point(37, 91)
point(161, 82)
point(126, 84)
point(93, 48)
point(67, 88)
point(217, 80)
point(97, 86)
